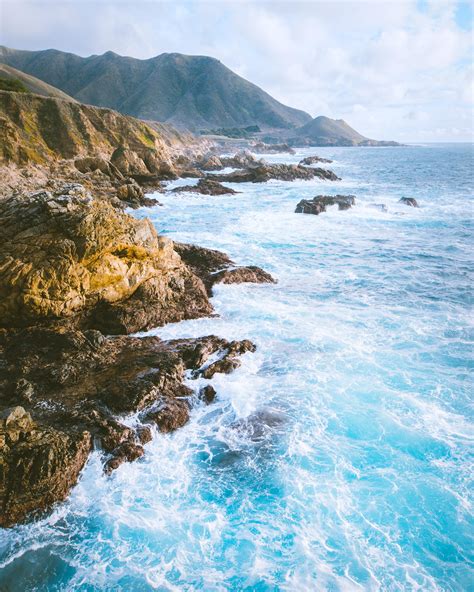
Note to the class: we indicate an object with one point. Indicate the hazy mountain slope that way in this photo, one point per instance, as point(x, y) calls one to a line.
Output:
point(323, 131)
point(193, 91)
point(34, 85)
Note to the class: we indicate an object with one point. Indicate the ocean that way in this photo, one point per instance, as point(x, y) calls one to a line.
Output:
point(339, 456)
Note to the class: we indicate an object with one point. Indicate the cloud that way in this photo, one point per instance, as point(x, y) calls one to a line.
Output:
point(370, 62)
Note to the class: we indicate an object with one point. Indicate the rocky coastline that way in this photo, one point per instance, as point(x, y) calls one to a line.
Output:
point(79, 276)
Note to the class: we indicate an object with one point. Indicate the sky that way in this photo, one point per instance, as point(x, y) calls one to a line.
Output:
point(399, 70)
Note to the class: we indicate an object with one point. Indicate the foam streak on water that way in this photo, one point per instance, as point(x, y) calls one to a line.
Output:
point(339, 456)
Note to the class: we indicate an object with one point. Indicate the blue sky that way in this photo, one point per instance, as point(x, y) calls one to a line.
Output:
point(394, 70)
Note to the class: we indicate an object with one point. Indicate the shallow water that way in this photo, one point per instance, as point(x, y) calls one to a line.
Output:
point(340, 455)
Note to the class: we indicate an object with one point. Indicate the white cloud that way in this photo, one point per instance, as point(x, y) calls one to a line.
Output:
point(370, 62)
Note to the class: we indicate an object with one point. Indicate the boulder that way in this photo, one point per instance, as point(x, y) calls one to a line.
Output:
point(310, 160)
point(211, 163)
point(319, 204)
point(206, 186)
point(89, 164)
point(66, 255)
point(409, 201)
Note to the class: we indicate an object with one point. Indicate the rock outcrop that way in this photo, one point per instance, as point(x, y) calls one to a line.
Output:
point(320, 203)
point(240, 160)
point(409, 201)
point(73, 268)
point(264, 172)
point(68, 256)
point(117, 156)
point(61, 389)
point(262, 148)
point(310, 160)
point(214, 267)
point(206, 186)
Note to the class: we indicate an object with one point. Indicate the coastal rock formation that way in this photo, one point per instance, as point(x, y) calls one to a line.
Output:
point(59, 393)
point(264, 172)
point(214, 267)
point(310, 160)
point(241, 160)
point(409, 201)
point(262, 148)
point(206, 186)
point(39, 464)
point(66, 254)
point(211, 163)
point(38, 129)
point(319, 204)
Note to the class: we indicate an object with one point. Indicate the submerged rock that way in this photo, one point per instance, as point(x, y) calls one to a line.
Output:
point(206, 186)
point(214, 267)
point(409, 201)
point(319, 204)
point(285, 172)
point(79, 382)
point(310, 160)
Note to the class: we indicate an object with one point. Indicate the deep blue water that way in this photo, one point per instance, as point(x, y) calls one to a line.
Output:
point(340, 455)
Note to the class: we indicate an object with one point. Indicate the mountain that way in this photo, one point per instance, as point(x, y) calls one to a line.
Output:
point(197, 92)
point(323, 131)
point(32, 84)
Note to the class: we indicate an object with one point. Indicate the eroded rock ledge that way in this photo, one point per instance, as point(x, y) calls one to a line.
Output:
point(62, 390)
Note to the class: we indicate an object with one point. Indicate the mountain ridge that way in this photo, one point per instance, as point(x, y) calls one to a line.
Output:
point(186, 91)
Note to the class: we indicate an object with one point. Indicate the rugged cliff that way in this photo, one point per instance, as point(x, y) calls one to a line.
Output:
point(71, 269)
point(40, 129)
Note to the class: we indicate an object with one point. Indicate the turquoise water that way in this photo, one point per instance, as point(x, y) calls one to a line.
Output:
point(340, 455)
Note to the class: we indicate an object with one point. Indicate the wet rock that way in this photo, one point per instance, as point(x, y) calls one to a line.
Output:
point(144, 434)
point(206, 186)
point(310, 160)
point(207, 394)
point(214, 267)
point(39, 464)
point(319, 204)
point(68, 256)
point(259, 426)
point(409, 201)
point(125, 452)
point(239, 275)
point(170, 416)
point(264, 172)
point(45, 443)
point(228, 361)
